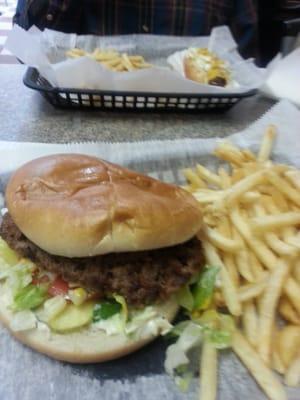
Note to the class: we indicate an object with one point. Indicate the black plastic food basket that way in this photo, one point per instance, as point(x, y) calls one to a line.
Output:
point(105, 100)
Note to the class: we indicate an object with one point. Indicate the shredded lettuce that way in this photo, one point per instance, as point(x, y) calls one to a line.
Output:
point(19, 276)
point(203, 289)
point(111, 326)
point(106, 309)
point(140, 324)
point(121, 300)
point(178, 329)
point(7, 254)
point(185, 298)
point(213, 326)
point(176, 356)
point(183, 378)
point(147, 322)
point(218, 328)
point(154, 327)
point(198, 294)
point(111, 316)
point(29, 297)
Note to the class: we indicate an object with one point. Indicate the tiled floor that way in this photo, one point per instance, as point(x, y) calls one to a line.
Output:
point(7, 9)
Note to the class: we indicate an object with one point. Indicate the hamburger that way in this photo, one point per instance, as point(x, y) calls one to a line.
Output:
point(204, 66)
point(92, 257)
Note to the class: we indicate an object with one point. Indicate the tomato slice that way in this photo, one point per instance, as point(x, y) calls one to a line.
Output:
point(58, 287)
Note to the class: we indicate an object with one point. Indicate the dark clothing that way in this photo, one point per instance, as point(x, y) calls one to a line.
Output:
point(165, 17)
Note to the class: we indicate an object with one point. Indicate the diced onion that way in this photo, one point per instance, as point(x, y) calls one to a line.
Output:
point(52, 308)
point(23, 321)
point(78, 296)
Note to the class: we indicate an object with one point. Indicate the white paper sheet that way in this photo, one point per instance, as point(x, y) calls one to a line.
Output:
point(284, 115)
point(140, 375)
point(283, 78)
point(46, 51)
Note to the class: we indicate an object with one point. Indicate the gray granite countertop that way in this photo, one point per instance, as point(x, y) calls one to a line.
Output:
point(26, 116)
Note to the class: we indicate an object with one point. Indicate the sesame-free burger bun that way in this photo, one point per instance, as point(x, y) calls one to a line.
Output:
point(74, 205)
point(85, 345)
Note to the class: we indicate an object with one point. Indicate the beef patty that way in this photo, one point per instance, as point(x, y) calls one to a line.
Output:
point(141, 277)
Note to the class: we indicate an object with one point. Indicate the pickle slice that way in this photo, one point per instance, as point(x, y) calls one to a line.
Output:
point(73, 317)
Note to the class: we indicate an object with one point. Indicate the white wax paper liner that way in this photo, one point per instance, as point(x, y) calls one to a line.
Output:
point(106, 381)
point(46, 51)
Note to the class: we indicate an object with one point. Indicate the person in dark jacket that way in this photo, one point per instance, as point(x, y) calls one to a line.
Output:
point(114, 17)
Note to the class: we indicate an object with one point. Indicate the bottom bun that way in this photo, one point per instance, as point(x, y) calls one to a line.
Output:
point(84, 346)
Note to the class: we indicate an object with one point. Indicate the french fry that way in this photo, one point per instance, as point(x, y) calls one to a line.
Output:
point(136, 59)
point(250, 197)
point(279, 200)
point(141, 65)
point(258, 369)
point(242, 260)
point(283, 186)
point(252, 290)
point(75, 53)
point(119, 68)
point(277, 245)
point(228, 258)
point(243, 186)
point(126, 62)
point(243, 264)
point(269, 204)
point(263, 253)
point(248, 155)
point(208, 371)
point(228, 287)
point(105, 55)
point(273, 222)
point(252, 217)
point(193, 178)
point(296, 271)
point(293, 241)
point(207, 175)
point(250, 322)
point(288, 342)
point(229, 261)
point(218, 299)
point(112, 59)
point(268, 308)
point(292, 375)
point(256, 267)
point(206, 198)
point(225, 179)
point(288, 312)
point(267, 144)
point(277, 363)
point(114, 62)
point(292, 291)
point(237, 175)
point(222, 242)
point(293, 176)
point(227, 152)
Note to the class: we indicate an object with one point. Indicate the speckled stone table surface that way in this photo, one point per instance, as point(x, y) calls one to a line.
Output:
point(26, 116)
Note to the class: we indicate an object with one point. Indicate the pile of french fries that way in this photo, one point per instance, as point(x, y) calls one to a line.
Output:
point(112, 59)
point(251, 210)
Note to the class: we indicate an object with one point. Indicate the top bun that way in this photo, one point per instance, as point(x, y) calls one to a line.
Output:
point(74, 205)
